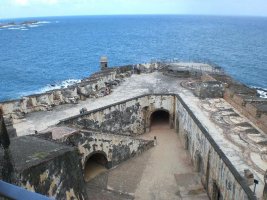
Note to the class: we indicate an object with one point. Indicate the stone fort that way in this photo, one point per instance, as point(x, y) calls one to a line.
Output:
point(160, 130)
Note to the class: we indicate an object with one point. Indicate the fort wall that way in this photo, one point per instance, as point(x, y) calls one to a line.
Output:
point(248, 109)
point(130, 117)
point(105, 130)
point(217, 172)
point(43, 166)
point(59, 178)
point(116, 148)
point(94, 86)
point(245, 100)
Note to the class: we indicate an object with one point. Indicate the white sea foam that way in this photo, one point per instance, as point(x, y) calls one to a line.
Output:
point(14, 28)
point(33, 26)
point(60, 85)
point(262, 92)
point(63, 84)
point(7, 26)
point(42, 22)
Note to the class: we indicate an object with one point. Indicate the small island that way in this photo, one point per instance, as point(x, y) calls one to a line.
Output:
point(24, 23)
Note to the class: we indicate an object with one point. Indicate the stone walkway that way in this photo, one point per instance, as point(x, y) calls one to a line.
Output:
point(167, 159)
point(155, 173)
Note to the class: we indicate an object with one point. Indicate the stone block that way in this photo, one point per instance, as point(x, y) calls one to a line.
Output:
point(210, 89)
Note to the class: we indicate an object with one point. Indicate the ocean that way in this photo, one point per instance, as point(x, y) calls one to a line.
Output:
point(58, 51)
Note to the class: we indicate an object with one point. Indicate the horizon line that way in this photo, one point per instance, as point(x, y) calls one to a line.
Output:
point(150, 14)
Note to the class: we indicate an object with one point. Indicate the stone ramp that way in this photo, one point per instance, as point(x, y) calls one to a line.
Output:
point(97, 189)
point(163, 173)
point(190, 187)
point(95, 193)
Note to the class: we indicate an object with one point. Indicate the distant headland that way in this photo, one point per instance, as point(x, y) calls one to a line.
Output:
point(25, 23)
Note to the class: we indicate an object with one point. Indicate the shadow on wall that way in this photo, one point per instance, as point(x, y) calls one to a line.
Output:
point(95, 165)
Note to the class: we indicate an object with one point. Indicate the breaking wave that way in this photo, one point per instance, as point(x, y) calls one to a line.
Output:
point(43, 22)
point(63, 84)
point(33, 25)
point(6, 26)
point(262, 92)
point(22, 28)
point(14, 28)
point(49, 87)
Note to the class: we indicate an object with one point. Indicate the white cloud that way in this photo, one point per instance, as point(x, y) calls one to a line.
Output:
point(50, 2)
point(34, 2)
point(21, 2)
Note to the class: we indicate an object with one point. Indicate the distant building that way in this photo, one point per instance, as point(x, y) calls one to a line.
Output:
point(103, 62)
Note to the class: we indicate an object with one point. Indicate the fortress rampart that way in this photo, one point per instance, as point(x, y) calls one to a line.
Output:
point(129, 117)
point(92, 87)
point(244, 99)
point(215, 168)
point(220, 142)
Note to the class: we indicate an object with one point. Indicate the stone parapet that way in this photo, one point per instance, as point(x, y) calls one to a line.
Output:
point(94, 86)
point(245, 100)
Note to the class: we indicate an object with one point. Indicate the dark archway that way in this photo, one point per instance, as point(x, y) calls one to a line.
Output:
point(160, 117)
point(216, 193)
point(96, 164)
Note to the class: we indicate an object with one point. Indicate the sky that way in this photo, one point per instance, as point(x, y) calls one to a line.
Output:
point(38, 8)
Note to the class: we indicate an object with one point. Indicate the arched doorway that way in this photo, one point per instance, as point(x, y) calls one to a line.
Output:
point(96, 164)
point(160, 117)
point(216, 193)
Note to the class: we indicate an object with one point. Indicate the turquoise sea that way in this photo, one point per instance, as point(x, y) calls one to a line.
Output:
point(58, 51)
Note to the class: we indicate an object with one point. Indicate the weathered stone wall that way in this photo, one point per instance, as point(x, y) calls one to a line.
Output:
point(124, 119)
point(149, 67)
point(115, 148)
point(214, 167)
point(18, 108)
point(43, 166)
point(60, 178)
point(206, 77)
point(130, 117)
point(209, 89)
point(133, 117)
point(94, 86)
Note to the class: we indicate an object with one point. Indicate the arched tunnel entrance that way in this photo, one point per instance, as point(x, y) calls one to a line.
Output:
point(160, 118)
point(95, 165)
